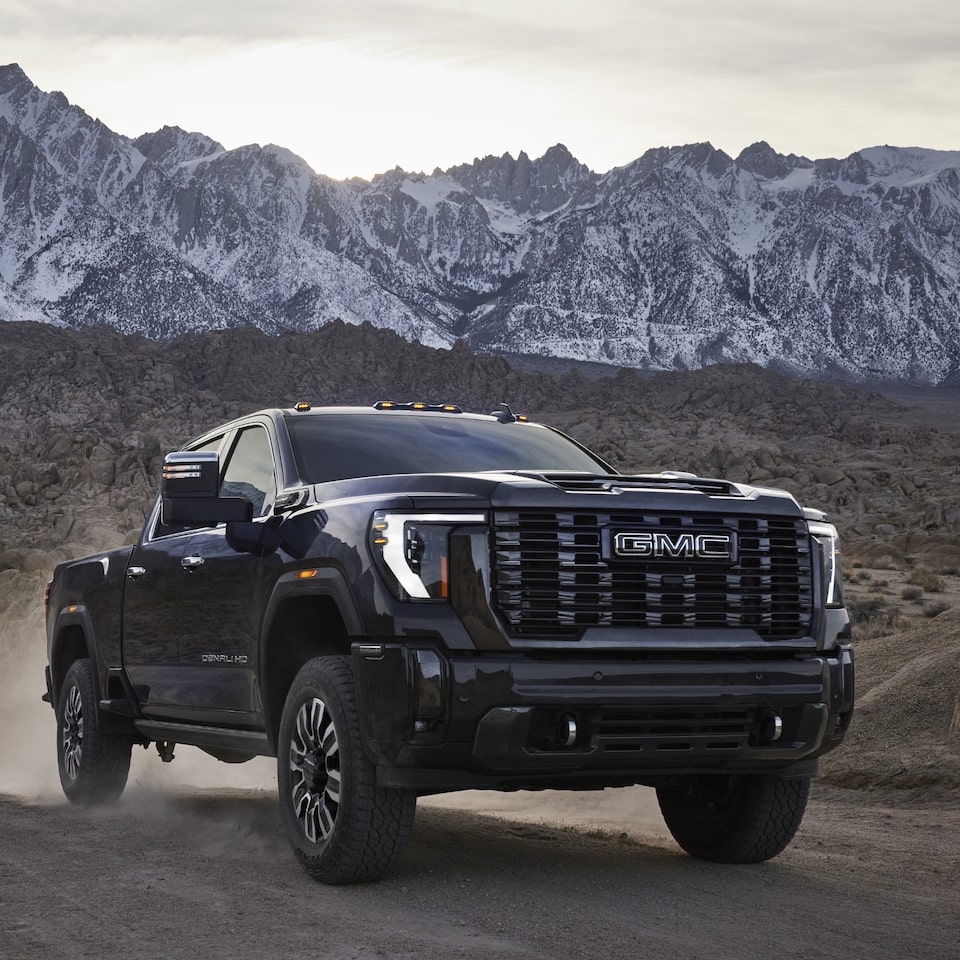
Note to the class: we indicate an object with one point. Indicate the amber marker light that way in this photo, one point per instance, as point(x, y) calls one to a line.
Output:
point(302, 407)
point(306, 574)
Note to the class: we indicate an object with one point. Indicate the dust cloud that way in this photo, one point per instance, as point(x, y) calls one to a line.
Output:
point(28, 761)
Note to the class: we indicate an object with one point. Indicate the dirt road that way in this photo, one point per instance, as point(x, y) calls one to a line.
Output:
point(189, 873)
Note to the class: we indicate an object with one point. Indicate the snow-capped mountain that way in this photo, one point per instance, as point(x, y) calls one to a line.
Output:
point(684, 257)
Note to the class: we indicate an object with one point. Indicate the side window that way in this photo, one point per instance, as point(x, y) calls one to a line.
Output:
point(165, 530)
point(249, 471)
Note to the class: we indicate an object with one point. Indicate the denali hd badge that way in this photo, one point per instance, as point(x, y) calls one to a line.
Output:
point(654, 545)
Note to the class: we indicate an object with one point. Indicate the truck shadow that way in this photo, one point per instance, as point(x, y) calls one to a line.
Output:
point(447, 843)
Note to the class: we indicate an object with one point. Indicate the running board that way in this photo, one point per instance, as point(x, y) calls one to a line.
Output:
point(243, 741)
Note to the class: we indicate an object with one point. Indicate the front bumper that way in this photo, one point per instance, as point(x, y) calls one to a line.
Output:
point(433, 721)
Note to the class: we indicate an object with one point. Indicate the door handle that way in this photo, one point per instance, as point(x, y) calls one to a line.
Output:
point(134, 573)
point(190, 563)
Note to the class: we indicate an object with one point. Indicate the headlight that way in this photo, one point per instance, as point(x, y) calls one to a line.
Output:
point(413, 550)
point(828, 538)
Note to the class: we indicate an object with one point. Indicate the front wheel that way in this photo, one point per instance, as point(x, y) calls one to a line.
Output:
point(342, 827)
point(733, 819)
point(93, 764)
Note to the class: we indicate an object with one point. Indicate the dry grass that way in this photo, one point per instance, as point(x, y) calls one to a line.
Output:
point(925, 578)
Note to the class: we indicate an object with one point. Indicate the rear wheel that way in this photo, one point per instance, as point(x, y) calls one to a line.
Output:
point(733, 819)
point(93, 764)
point(342, 827)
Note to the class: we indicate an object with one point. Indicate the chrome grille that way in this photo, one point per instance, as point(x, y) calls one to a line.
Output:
point(554, 575)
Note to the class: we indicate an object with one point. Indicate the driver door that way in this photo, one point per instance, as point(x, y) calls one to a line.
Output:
point(221, 596)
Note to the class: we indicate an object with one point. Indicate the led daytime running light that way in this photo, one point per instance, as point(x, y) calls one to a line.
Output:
point(407, 550)
point(828, 538)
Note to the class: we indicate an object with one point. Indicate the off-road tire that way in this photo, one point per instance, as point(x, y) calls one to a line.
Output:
point(342, 827)
point(733, 819)
point(93, 764)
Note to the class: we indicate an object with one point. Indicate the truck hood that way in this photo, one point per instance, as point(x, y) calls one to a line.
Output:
point(565, 491)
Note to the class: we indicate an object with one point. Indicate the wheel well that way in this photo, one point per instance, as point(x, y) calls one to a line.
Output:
point(70, 646)
point(303, 628)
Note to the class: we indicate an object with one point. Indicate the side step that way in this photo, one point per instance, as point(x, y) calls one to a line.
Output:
point(243, 741)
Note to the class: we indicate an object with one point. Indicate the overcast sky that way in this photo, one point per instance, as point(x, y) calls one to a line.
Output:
point(359, 86)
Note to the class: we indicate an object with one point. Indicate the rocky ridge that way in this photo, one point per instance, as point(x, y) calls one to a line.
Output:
point(88, 414)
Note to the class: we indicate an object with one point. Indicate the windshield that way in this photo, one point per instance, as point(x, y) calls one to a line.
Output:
point(340, 446)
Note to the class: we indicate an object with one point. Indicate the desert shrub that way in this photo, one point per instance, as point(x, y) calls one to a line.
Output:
point(911, 593)
point(924, 577)
point(874, 617)
point(935, 609)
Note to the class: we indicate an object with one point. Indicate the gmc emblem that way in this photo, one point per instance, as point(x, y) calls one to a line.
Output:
point(675, 546)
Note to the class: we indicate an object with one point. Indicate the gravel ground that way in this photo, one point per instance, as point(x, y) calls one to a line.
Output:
point(179, 872)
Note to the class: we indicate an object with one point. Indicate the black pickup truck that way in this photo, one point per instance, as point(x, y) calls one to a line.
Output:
point(408, 599)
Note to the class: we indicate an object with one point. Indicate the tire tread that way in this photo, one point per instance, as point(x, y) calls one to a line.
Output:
point(763, 819)
point(380, 819)
point(105, 760)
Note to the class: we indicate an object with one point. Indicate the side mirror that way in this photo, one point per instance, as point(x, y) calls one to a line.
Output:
point(191, 475)
point(190, 492)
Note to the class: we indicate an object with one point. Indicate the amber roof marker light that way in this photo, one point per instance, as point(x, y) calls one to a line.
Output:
point(301, 407)
point(417, 405)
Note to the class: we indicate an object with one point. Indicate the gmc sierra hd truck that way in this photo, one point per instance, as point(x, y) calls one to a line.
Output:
point(408, 599)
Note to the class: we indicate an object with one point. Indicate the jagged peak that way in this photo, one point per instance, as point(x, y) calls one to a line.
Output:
point(171, 145)
point(12, 77)
point(393, 178)
point(539, 186)
point(558, 153)
point(703, 157)
point(11, 74)
point(763, 161)
point(285, 156)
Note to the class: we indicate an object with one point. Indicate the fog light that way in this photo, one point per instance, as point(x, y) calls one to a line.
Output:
point(771, 728)
point(567, 732)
